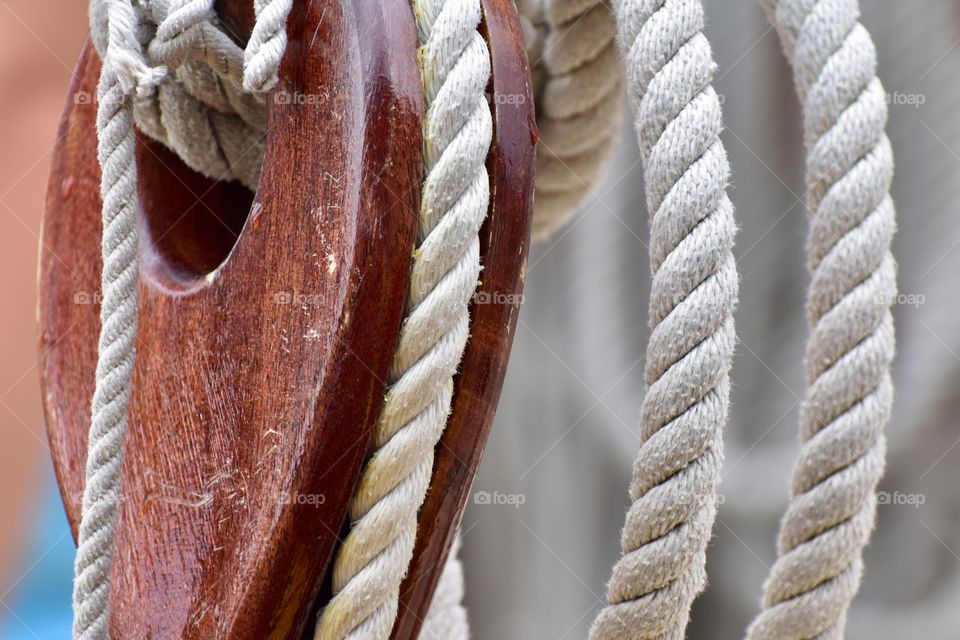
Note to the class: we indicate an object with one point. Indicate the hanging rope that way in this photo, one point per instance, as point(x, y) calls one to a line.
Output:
point(372, 561)
point(124, 73)
point(268, 41)
point(669, 69)
point(128, 85)
point(578, 85)
point(851, 346)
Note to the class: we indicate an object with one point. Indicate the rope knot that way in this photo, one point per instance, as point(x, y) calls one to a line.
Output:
point(136, 77)
point(123, 58)
point(181, 31)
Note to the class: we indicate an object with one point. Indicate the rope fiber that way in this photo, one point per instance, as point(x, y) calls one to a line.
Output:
point(851, 345)
point(669, 69)
point(373, 559)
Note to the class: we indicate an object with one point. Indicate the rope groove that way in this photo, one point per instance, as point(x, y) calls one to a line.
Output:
point(669, 69)
point(372, 561)
point(850, 350)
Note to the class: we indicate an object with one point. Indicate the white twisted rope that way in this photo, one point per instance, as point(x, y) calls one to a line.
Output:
point(371, 562)
point(851, 346)
point(124, 71)
point(669, 68)
point(577, 115)
point(579, 93)
point(200, 110)
point(130, 84)
point(266, 45)
point(446, 618)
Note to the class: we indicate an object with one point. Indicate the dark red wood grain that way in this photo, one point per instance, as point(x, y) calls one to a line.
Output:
point(505, 238)
point(257, 381)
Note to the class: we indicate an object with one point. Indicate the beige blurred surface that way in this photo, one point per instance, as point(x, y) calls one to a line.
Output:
point(39, 43)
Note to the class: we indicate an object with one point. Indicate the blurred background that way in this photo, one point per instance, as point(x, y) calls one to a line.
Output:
point(566, 430)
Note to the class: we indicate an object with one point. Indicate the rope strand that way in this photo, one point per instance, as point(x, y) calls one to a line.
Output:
point(124, 72)
point(372, 561)
point(669, 69)
point(261, 58)
point(851, 346)
point(579, 103)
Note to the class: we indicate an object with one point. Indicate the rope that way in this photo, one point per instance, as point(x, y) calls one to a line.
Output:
point(267, 43)
point(851, 346)
point(201, 110)
point(579, 91)
point(372, 560)
point(446, 618)
point(130, 86)
point(169, 66)
point(124, 73)
point(669, 68)
point(578, 115)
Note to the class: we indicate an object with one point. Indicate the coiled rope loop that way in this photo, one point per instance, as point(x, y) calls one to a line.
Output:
point(578, 86)
point(851, 346)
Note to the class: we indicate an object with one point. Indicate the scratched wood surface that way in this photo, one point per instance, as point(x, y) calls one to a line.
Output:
point(257, 381)
point(505, 238)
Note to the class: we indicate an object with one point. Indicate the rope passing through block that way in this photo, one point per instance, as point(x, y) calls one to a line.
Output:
point(173, 80)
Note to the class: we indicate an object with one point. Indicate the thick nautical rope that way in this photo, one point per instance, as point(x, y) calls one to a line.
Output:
point(851, 346)
point(127, 82)
point(373, 559)
point(579, 96)
point(669, 69)
point(578, 115)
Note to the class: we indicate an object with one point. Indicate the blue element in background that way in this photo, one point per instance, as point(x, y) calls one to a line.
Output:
point(38, 604)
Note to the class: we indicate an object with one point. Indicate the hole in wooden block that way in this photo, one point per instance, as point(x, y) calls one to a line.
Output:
point(190, 222)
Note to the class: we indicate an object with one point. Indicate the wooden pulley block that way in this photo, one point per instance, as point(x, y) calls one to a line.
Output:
point(267, 323)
